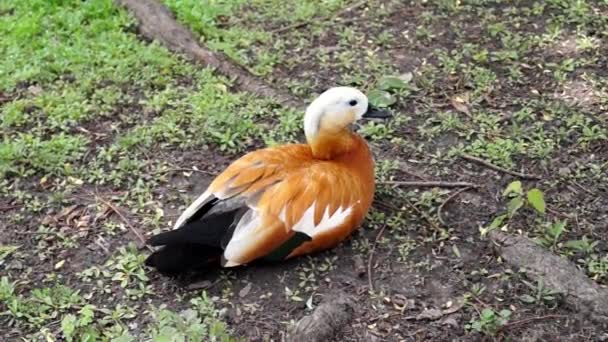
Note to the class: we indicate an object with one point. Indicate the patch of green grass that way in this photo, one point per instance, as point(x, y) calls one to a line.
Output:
point(79, 321)
point(50, 40)
point(79, 60)
point(211, 115)
point(125, 269)
point(86, 102)
point(40, 307)
point(26, 154)
point(489, 321)
point(197, 323)
point(206, 18)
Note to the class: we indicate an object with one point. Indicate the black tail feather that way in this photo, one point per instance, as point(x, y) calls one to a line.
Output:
point(199, 242)
point(180, 258)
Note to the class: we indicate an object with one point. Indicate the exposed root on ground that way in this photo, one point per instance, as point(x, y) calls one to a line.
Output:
point(558, 274)
point(156, 22)
point(326, 321)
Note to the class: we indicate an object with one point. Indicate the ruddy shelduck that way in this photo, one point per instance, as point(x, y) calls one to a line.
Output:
point(281, 202)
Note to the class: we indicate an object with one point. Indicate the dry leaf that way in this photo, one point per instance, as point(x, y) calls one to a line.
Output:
point(245, 290)
point(83, 221)
point(102, 214)
point(72, 216)
point(48, 220)
point(460, 103)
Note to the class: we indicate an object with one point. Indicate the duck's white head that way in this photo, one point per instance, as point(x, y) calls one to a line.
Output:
point(336, 109)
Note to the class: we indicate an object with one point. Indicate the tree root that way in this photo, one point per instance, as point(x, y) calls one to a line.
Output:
point(156, 22)
point(580, 293)
point(326, 321)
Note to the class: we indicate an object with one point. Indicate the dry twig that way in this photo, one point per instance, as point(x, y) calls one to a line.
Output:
point(452, 196)
point(186, 169)
point(135, 231)
point(531, 319)
point(498, 168)
point(431, 184)
point(371, 257)
point(425, 216)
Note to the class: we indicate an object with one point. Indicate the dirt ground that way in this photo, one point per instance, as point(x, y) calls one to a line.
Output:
point(518, 84)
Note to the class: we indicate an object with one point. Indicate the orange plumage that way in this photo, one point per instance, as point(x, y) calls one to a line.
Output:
point(281, 202)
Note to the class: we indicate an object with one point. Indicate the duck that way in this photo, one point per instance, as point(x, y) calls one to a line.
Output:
point(280, 202)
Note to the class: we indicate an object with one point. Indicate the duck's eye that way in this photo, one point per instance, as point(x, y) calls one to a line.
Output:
point(352, 102)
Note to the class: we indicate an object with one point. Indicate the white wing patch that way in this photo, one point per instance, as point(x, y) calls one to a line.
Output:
point(241, 237)
point(192, 209)
point(196, 205)
point(306, 224)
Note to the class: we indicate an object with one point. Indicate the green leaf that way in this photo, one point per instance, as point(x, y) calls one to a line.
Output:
point(68, 326)
point(86, 315)
point(6, 251)
point(514, 187)
point(505, 313)
point(392, 82)
point(526, 298)
point(514, 204)
point(380, 98)
point(536, 199)
point(162, 338)
point(497, 222)
point(89, 335)
point(556, 229)
point(581, 245)
point(487, 314)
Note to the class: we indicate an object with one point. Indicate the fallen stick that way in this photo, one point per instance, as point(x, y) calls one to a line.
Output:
point(135, 231)
point(370, 277)
point(156, 22)
point(326, 321)
point(498, 168)
point(558, 274)
point(532, 319)
point(452, 196)
point(431, 184)
point(186, 169)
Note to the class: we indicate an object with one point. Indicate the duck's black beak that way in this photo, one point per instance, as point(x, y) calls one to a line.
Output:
point(376, 113)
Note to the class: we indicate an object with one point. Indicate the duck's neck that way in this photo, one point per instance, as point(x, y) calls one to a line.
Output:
point(329, 146)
